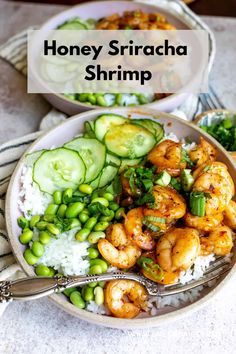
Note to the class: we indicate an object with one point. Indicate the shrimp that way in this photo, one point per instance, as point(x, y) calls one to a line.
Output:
point(167, 156)
point(126, 187)
point(202, 153)
point(118, 291)
point(218, 189)
point(203, 223)
point(219, 242)
point(117, 249)
point(177, 249)
point(169, 204)
point(134, 229)
point(230, 215)
point(218, 168)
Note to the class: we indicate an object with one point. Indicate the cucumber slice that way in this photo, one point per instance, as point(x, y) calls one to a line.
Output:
point(129, 140)
point(58, 169)
point(95, 183)
point(104, 122)
point(127, 163)
point(154, 127)
point(58, 73)
point(89, 129)
point(92, 152)
point(32, 157)
point(110, 170)
point(73, 25)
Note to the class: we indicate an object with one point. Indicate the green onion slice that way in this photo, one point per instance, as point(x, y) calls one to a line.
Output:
point(150, 267)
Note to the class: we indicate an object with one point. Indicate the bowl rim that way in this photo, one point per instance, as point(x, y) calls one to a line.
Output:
point(163, 100)
point(91, 317)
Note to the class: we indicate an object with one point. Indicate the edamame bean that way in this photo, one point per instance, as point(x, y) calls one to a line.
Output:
point(37, 249)
point(41, 225)
point(98, 295)
point(85, 188)
point(93, 253)
point(101, 101)
point(42, 270)
point(74, 209)
point(108, 196)
point(30, 257)
point(91, 223)
point(99, 262)
point(53, 229)
point(96, 269)
point(52, 272)
point(57, 197)
point(69, 291)
point(113, 206)
point(23, 222)
point(109, 217)
point(100, 200)
point(76, 299)
point(93, 284)
point(119, 213)
point(82, 234)
point(83, 217)
point(119, 99)
point(91, 98)
point(49, 218)
point(72, 223)
point(67, 195)
point(142, 99)
point(95, 194)
point(95, 236)
point(62, 210)
point(51, 209)
point(33, 221)
point(83, 97)
point(26, 236)
point(101, 226)
point(88, 294)
point(44, 237)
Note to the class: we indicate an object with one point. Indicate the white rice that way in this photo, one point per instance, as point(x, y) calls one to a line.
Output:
point(31, 200)
point(99, 309)
point(67, 255)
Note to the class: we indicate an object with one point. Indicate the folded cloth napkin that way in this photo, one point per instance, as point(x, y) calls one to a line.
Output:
point(14, 51)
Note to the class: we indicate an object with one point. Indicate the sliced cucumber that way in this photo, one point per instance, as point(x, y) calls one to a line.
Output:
point(127, 163)
point(72, 25)
point(154, 127)
point(104, 122)
point(32, 157)
point(129, 140)
point(89, 129)
point(58, 169)
point(92, 152)
point(110, 170)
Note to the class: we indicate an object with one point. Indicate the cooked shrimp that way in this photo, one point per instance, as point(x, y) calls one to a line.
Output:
point(169, 204)
point(218, 242)
point(220, 192)
point(218, 168)
point(230, 215)
point(202, 153)
point(117, 249)
point(203, 223)
point(118, 291)
point(177, 249)
point(167, 156)
point(126, 186)
point(134, 229)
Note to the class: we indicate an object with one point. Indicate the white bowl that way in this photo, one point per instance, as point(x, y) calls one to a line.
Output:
point(176, 12)
point(66, 131)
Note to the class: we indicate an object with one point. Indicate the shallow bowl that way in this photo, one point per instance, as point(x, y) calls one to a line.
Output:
point(66, 131)
point(176, 12)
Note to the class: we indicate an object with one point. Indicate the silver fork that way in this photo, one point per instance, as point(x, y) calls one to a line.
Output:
point(32, 288)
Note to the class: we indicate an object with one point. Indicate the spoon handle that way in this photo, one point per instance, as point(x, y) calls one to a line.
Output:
point(32, 288)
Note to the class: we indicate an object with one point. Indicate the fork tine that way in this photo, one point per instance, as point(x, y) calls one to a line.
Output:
point(216, 265)
point(194, 284)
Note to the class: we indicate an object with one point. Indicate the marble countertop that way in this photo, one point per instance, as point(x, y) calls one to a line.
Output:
point(40, 327)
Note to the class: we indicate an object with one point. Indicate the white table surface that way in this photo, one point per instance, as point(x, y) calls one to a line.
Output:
point(39, 327)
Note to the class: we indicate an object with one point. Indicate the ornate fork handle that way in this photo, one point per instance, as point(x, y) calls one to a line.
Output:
point(36, 287)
